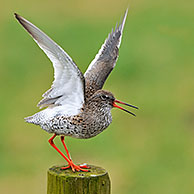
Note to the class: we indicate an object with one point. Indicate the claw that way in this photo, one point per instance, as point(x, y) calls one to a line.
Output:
point(75, 167)
point(68, 158)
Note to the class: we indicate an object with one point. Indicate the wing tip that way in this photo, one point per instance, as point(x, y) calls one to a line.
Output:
point(22, 21)
point(28, 26)
point(121, 25)
point(122, 22)
point(18, 17)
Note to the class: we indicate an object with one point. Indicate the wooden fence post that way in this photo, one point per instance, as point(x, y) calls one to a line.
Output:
point(67, 182)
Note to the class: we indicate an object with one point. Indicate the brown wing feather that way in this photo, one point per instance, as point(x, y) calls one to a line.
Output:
point(104, 62)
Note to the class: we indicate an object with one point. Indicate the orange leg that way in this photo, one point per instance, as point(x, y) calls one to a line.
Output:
point(63, 142)
point(56, 148)
point(70, 162)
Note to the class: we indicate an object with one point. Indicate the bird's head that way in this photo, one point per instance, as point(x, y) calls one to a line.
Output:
point(107, 99)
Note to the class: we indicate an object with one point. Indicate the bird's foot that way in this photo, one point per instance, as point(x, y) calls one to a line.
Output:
point(75, 167)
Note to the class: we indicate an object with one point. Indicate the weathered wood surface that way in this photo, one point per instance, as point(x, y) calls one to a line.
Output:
point(67, 182)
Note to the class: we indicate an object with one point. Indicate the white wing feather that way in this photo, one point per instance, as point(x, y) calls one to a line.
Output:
point(67, 89)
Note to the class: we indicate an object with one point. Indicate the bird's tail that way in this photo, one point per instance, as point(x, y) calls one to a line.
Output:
point(39, 118)
point(31, 119)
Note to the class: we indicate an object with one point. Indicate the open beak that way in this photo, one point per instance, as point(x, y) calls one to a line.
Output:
point(117, 106)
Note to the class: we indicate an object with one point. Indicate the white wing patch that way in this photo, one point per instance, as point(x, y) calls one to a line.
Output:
point(67, 91)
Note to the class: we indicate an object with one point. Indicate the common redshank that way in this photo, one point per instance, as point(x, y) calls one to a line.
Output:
point(76, 104)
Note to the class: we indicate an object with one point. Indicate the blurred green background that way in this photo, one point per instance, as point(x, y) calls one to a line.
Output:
point(152, 153)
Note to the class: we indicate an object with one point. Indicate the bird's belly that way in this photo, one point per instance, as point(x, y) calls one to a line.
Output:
point(82, 130)
point(61, 126)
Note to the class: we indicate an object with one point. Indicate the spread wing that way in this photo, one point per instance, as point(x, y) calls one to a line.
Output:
point(68, 85)
point(104, 61)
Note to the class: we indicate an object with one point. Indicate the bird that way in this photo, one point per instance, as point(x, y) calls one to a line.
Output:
point(76, 105)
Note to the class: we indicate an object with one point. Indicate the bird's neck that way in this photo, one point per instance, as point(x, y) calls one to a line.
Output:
point(97, 111)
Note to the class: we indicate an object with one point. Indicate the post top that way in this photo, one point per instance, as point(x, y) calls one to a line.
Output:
point(94, 171)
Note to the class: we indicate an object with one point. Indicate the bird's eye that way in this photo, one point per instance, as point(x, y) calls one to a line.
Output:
point(104, 97)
